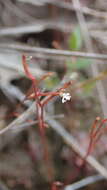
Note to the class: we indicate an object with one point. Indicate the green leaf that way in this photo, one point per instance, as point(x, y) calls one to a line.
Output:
point(75, 40)
point(79, 64)
point(82, 63)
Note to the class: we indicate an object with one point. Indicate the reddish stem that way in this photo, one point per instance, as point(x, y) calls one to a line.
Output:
point(29, 75)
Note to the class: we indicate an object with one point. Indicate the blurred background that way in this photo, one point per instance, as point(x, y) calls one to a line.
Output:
point(68, 38)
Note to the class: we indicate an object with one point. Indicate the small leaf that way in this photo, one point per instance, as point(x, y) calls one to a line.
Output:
point(79, 64)
point(75, 41)
point(82, 63)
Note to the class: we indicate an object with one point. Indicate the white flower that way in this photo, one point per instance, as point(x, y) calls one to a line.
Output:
point(65, 97)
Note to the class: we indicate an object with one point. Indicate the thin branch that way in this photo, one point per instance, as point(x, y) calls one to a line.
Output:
point(84, 182)
point(41, 25)
point(68, 6)
point(24, 126)
point(29, 28)
point(70, 140)
point(50, 52)
point(17, 11)
point(9, 132)
point(21, 119)
point(89, 48)
point(11, 65)
point(36, 26)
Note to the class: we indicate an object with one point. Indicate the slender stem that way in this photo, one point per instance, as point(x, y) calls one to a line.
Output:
point(51, 52)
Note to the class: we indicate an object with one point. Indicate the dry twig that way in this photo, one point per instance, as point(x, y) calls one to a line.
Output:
point(89, 48)
point(69, 139)
point(50, 52)
point(69, 6)
point(84, 182)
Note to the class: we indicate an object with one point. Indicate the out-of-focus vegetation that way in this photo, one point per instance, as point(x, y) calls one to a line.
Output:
point(54, 25)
